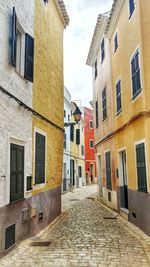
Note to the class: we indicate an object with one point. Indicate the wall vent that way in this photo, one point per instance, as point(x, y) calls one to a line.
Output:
point(25, 215)
point(10, 233)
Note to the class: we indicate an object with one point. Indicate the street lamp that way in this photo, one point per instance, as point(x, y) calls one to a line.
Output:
point(77, 117)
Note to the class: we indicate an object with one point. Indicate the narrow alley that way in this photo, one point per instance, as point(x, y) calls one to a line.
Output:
point(86, 234)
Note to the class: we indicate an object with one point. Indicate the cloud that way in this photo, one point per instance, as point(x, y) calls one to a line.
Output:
point(77, 38)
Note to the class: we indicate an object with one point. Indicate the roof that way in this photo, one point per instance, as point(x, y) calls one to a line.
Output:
point(94, 43)
point(111, 14)
point(63, 11)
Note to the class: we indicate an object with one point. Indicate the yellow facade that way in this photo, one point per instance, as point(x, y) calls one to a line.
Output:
point(48, 89)
point(131, 125)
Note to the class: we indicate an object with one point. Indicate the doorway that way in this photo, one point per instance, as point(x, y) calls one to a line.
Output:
point(124, 182)
point(92, 172)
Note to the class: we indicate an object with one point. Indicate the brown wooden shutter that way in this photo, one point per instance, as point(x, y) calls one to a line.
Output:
point(40, 159)
point(29, 57)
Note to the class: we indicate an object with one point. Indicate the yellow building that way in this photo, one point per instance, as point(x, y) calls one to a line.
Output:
point(77, 155)
point(48, 100)
point(123, 42)
point(128, 31)
point(100, 61)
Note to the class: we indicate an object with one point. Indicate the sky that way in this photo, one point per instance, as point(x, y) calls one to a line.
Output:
point(77, 39)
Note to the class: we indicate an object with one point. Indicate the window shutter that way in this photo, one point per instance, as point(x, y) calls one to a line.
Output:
point(40, 159)
point(78, 136)
point(104, 107)
point(9, 236)
point(29, 57)
point(131, 7)
point(72, 133)
point(96, 113)
point(141, 168)
point(108, 171)
point(13, 38)
point(16, 173)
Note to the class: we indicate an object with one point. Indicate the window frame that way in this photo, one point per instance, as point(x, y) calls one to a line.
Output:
point(143, 141)
point(37, 130)
point(22, 50)
point(95, 69)
point(96, 115)
point(90, 125)
point(104, 107)
point(119, 95)
point(139, 91)
point(116, 47)
point(129, 10)
point(91, 140)
point(102, 50)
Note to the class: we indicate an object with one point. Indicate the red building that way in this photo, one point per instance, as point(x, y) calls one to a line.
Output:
point(90, 162)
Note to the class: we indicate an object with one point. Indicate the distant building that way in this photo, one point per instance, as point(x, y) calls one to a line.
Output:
point(77, 161)
point(67, 152)
point(90, 162)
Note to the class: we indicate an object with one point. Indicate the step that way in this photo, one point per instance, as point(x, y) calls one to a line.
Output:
point(124, 213)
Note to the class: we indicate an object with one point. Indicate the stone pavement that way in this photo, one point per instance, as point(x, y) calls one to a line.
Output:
point(84, 235)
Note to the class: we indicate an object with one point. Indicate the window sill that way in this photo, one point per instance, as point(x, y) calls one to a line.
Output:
point(142, 191)
point(138, 94)
point(131, 14)
point(39, 186)
point(104, 119)
point(119, 112)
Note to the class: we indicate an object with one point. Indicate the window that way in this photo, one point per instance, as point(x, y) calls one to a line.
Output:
point(96, 113)
point(16, 172)
point(22, 50)
point(77, 136)
point(104, 105)
point(64, 113)
point(116, 42)
point(141, 167)
point(102, 50)
point(91, 124)
point(40, 149)
point(118, 97)
point(108, 170)
point(136, 78)
point(95, 69)
point(72, 133)
point(68, 117)
point(131, 7)
point(65, 140)
point(82, 150)
point(91, 143)
point(80, 171)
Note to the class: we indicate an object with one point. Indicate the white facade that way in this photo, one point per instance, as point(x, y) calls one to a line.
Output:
point(15, 121)
point(66, 158)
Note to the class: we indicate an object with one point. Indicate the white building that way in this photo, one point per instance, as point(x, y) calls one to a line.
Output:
point(17, 21)
point(66, 159)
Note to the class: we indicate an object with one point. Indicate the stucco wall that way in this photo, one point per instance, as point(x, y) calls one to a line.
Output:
point(16, 123)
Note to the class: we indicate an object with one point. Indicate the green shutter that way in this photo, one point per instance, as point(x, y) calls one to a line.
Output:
point(29, 57)
point(141, 167)
point(40, 159)
point(108, 171)
point(9, 236)
point(16, 172)
point(13, 38)
point(78, 136)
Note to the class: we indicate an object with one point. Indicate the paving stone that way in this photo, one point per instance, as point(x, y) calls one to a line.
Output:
point(82, 238)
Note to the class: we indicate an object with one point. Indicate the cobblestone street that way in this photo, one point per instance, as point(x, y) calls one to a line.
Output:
point(86, 234)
